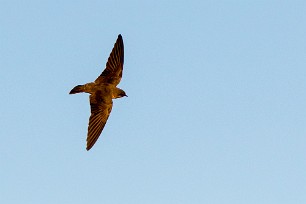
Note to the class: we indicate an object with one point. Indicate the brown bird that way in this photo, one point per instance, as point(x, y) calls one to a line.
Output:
point(102, 91)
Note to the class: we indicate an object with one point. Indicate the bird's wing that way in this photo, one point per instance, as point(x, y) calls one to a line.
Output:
point(113, 72)
point(100, 110)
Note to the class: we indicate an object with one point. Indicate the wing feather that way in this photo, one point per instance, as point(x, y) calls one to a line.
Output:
point(113, 72)
point(100, 111)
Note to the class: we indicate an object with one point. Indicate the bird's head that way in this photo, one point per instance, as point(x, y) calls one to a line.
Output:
point(118, 93)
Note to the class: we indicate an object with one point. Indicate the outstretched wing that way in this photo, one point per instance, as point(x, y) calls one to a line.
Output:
point(113, 72)
point(100, 110)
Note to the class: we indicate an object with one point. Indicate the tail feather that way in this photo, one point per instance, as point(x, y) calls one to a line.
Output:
point(77, 89)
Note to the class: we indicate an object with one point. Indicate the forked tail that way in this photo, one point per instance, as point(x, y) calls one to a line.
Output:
point(77, 89)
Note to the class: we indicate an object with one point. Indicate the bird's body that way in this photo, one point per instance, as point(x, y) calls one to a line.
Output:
point(102, 91)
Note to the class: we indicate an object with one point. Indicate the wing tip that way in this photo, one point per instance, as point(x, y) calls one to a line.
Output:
point(120, 38)
point(88, 147)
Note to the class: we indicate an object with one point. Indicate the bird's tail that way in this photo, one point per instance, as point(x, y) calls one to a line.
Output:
point(77, 89)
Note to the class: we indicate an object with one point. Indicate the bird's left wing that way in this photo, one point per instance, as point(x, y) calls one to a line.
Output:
point(100, 110)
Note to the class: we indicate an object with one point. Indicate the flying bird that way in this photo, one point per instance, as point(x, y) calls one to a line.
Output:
point(102, 91)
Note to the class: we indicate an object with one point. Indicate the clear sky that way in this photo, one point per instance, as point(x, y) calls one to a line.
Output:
point(216, 111)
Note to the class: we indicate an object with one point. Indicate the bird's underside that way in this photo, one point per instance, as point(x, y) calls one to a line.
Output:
point(102, 91)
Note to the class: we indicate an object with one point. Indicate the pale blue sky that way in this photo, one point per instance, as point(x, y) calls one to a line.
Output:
point(216, 111)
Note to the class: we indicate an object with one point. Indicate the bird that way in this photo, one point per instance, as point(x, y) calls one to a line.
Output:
point(102, 92)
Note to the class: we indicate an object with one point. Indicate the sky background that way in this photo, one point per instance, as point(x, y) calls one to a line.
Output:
point(216, 111)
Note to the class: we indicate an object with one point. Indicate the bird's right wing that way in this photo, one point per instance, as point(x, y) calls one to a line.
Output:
point(112, 74)
point(100, 110)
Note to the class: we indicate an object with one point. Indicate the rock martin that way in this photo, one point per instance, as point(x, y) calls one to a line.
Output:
point(102, 91)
